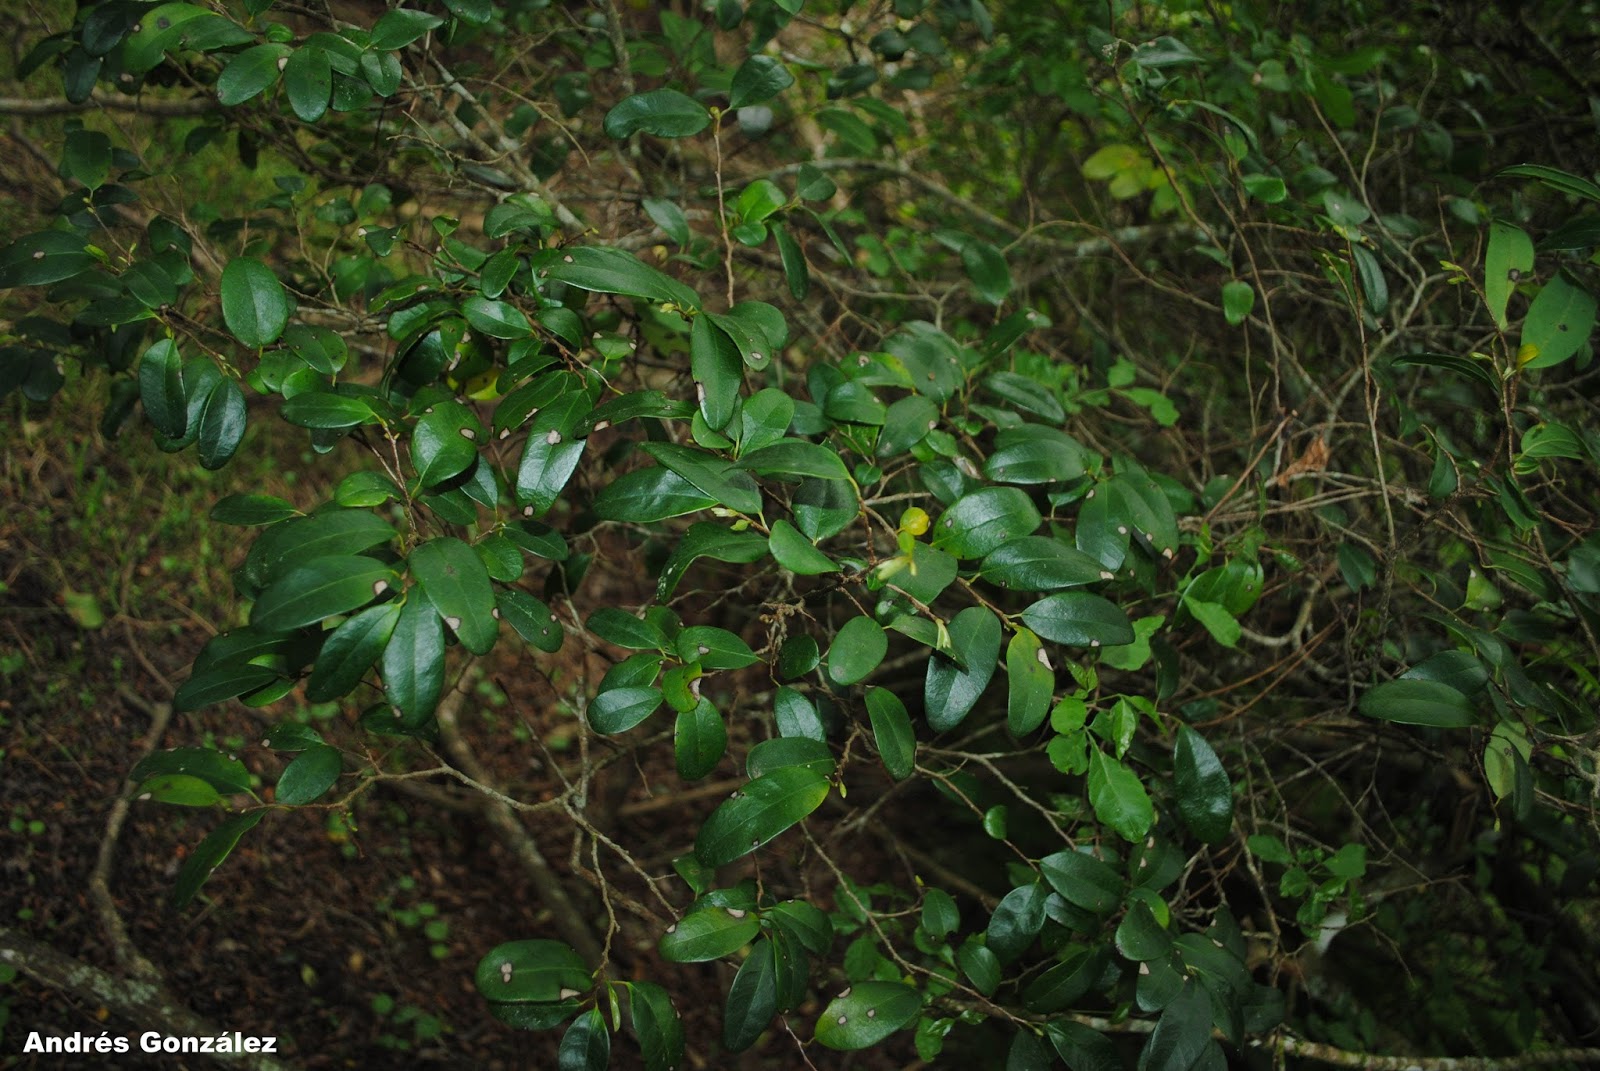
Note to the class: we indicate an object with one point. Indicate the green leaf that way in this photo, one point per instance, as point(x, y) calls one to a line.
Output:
point(729, 486)
point(781, 751)
point(225, 774)
point(251, 510)
point(1419, 702)
point(1033, 453)
point(1238, 298)
point(796, 457)
point(1374, 287)
point(1032, 682)
point(764, 419)
point(222, 681)
point(857, 649)
point(444, 444)
point(1118, 798)
point(980, 522)
point(1222, 625)
point(497, 319)
point(250, 73)
point(986, 267)
point(1182, 1032)
point(312, 773)
point(1558, 324)
point(620, 709)
point(325, 409)
point(940, 916)
point(1041, 563)
point(896, 740)
point(1079, 619)
point(86, 157)
point(1204, 795)
point(320, 589)
point(708, 934)
point(350, 651)
point(222, 424)
point(669, 217)
point(1082, 1048)
point(866, 1013)
point(44, 258)
point(616, 271)
point(952, 689)
point(656, 1025)
point(1140, 936)
point(531, 619)
point(715, 648)
point(532, 972)
point(1065, 983)
point(1507, 261)
point(708, 540)
point(400, 26)
point(181, 790)
point(758, 80)
point(454, 580)
point(308, 83)
point(210, 853)
point(413, 663)
point(980, 965)
point(796, 715)
point(907, 423)
point(699, 740)
point(1460, 670)
point(1083, 880)
point(626, 630)
point(254, 304)
point(766, 807)
point(796, 272)
point(666, 113)
point(1268, 189)
point(1028, 395)
point(752, 998)
point(1016, 921)
point(586, 1046)
point(650, 494)
point(161, 389)
point(300, 539)
point(1555, 178)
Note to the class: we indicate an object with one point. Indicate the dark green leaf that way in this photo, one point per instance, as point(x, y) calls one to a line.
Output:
point(319, 589)
point(752, 999)
point(1040, 563)
point(951, 689)
point(616, 271)
point(650, 494)
point(980, 522)
point(248, 74)
point(766, 807)
point(400, 26)
point(1016, 921)
point(620, 709)
point(324, 409)
point(1079, 619)
point(350, 651)
point(224, 680)
point(892, 732)
point(537, 972)
point(669, 217)
point(161, 389)
point(1082, 1048)
point(666, 113)
point(857, 648)
point(1031, 681)
point(497, 319)
point(707, 540)
point(254, 304)
point(986, 267)
point(796, 457)
point(308, 83)
point(250, 510)
point(796, 553)
point(44, 258)
point(715, 648)
point(413, 663)
point(1139, 936)
point(222, 424)
point(225, 774)
point(586, 1046)
point(531, 619)
point(657, 1026)
point(312, 773)
point(1204, 795)
point(1062, 985)
point(454, 580)
point(699, 740)
point(210, 853)
point(1182, 1032)
point(1419, 702)
point(1083, 880)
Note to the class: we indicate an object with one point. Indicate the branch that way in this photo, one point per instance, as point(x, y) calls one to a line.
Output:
point(146, 1004)
point(62, 106)
point(1328, 1054)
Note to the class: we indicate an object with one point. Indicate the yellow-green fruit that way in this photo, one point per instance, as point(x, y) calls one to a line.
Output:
point(914, 521)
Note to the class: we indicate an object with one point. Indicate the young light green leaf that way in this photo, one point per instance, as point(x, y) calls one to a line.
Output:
point(1238, 298)
point(1558, 324)
point(1031, 681)
point(1118, 797)
point(254, 304)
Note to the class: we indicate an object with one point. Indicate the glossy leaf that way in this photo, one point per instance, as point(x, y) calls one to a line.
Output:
point(796, 553)
point(1182, 1032)
point(350, 651)
point(413, 663)
point(320, 589)
point(763, 809)
point(535, 971)
point(952, 689)
point(650, 494)
point(1419, 702)
point(656, 1024)
point(222, 772)
point(313, 772)
point(1079, 619)
point(666, 113)
point(254, 304)
point(1041, 563)
point(1204, 794)
point(586, 1046)
point(161, 389)
point(708, 934)
point(1558, 324)
point(454, 580)
point(210, 853)
point(1083, 880)
point(752, 998)
point(1118, 797)
point(620, 709)
point(1031, 683)
point(866, 1013)
point(308, 83)
point(892, 732)
point(857, 649)
point(980, 522)
point(248, 74)
point(700, 739)
point(222, 424)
